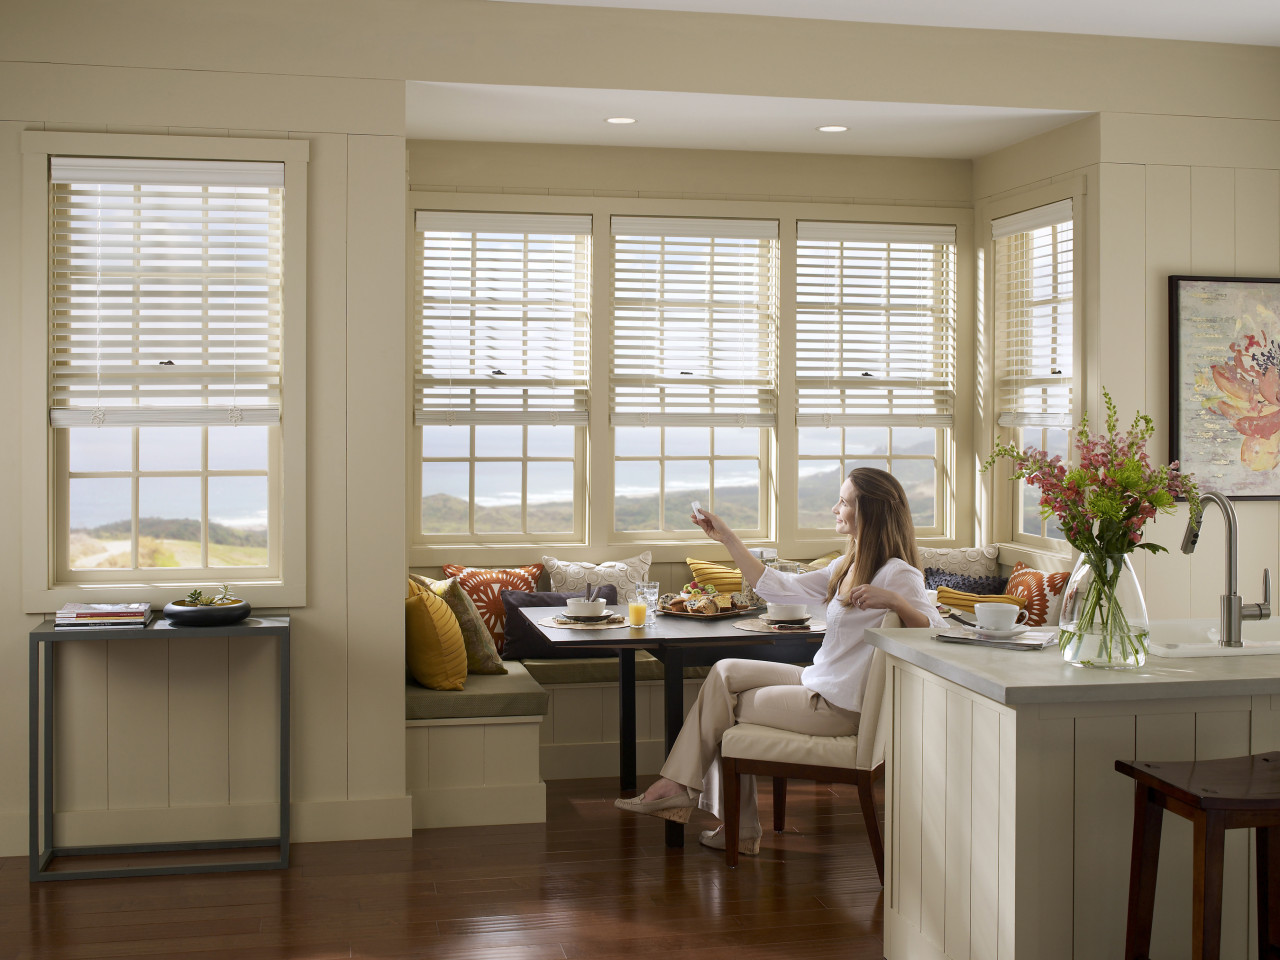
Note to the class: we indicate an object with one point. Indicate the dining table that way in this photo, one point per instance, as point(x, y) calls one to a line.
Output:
point(678, 641)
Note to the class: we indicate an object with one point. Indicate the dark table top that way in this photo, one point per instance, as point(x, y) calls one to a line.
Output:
point(669, 631)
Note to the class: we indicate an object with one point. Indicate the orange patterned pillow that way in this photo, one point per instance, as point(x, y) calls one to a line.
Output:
point(1042, 592)
point(484, 586)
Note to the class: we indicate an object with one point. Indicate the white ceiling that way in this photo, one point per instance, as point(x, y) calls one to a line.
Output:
point(1222, 21)
point(524, 114)
point(472, 111)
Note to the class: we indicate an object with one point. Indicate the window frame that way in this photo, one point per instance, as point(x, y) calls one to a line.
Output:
point(46, 584)
point(1003, 492)
point(780, 469)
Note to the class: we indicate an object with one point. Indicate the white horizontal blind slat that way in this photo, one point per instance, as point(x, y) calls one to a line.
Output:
point(165, 301)
point(503, 304)
point(875, 325)
point(1034, 324)
point(694, 323)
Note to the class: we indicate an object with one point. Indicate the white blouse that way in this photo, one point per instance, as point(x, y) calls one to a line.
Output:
point(839, 670)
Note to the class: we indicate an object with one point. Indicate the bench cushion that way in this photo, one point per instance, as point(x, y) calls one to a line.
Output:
point(754, 742)
point(515, 694)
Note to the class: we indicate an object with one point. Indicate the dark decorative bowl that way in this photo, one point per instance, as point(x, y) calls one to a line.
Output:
point(218, 615)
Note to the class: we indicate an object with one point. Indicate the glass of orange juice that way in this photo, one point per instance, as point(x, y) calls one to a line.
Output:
point(637, 610)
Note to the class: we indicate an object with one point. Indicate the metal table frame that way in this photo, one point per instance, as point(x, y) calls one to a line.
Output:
point(43, 639)
point(678, 642)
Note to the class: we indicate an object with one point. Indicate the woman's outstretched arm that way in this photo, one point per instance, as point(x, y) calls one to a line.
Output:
point(718, 530)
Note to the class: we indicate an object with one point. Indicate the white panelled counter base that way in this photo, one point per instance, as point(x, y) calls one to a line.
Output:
point(1008, 829)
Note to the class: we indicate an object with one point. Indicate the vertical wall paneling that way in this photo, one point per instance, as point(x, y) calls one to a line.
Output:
point(137, 723)
point(1009, 854)
point(198, 749)
point(1104, 831)
point(80, 722)
point(909, 801)
point(933, 801)
point(253, 711)
point(959, 833)
point(1055, 813)
point(319, 669)
point(1162, 736)
point(1225, 733)
point(985, 846)
point(1257, 239)
point(376, 468)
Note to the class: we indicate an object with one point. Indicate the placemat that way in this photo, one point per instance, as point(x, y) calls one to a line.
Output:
point(756, 625)
point(617, 620)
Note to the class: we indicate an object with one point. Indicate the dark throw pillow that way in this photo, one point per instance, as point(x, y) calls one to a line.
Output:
point(935, 578)
point(524, 642)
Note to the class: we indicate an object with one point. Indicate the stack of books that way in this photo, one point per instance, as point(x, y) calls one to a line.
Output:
point(85, 616)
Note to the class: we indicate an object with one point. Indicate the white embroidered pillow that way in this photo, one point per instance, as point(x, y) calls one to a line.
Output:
point(572, 576)
point(969, 561)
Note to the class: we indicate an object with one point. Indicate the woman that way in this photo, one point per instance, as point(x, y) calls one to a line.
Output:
point(878, 572)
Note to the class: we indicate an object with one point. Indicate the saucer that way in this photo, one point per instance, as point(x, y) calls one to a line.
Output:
point(1002, 634)
point(784, 621)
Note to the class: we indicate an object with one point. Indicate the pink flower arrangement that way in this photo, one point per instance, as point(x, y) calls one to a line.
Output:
point(1105, 499)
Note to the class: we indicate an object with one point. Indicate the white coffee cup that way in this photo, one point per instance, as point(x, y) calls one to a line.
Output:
point(998, 616)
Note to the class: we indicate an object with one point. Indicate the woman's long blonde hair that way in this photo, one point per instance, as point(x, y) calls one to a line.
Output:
point(884, 529)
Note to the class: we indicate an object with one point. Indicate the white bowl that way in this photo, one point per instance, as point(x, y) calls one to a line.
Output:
point(788, 611)
point(585, 608)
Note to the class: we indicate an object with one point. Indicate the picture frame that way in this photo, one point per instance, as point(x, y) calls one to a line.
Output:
point(1224, 383)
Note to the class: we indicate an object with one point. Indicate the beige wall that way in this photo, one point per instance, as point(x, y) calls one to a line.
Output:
point(332, 72)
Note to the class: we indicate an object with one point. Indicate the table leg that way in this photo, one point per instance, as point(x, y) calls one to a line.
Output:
point(627, 719)
point(673, 710)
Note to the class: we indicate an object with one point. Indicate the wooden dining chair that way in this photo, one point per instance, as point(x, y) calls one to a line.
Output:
point(751, 749)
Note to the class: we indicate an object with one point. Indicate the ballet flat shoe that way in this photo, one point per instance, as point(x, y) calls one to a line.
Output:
point(715, 840)
point(678, 808)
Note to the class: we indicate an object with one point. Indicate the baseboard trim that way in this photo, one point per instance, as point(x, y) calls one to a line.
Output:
point(370, 819)
point(480, 806)
point(13, 833)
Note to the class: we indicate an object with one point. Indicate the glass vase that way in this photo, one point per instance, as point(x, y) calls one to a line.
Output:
point(1104, 617)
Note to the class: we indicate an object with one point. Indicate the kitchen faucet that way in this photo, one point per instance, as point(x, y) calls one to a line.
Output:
point(1233, 611)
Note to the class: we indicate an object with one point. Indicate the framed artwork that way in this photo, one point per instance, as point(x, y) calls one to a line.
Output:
point(1224, 383)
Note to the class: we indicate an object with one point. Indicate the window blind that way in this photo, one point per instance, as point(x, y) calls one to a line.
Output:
point(694, 322)
point(1034, 317)
point(165, 291)
point(504, 318)
point(875, 324)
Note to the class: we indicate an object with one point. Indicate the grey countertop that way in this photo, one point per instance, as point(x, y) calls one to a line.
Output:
point(1040, 676)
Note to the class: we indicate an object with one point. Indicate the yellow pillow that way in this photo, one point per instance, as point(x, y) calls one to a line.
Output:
point(959, 600)
point(433, 644)
point(724, 579)
point(823, 561)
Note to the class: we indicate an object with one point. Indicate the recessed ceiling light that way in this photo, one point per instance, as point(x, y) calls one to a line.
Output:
point(832, 128)
point(619, 119)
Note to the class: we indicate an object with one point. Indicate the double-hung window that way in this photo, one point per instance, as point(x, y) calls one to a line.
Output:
point(501, 385)
point(166, 280)
point(875, 355)
point(1034, 338)
point(694, 370)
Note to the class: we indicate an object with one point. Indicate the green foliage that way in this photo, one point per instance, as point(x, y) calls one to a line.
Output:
point(166, 528)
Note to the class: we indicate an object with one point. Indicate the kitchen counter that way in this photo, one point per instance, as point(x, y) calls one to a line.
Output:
point(1008, 830)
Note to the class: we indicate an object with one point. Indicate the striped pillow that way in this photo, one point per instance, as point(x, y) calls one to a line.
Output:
point(724, 579)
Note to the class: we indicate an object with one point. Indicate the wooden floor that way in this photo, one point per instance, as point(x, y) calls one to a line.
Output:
point(590, 883)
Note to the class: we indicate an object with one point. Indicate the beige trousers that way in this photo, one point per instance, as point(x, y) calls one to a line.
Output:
point(746, 691)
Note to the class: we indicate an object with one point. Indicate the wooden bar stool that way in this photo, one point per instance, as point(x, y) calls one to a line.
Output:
point(1216, 796)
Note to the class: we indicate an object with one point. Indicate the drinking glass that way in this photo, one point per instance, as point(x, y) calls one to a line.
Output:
point(648, 591)
point(637, 609)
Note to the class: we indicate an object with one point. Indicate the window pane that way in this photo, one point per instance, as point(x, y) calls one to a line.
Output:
point(98, 449)
point(737, 493)
point(915, 440)
point(547, 441)
point(499, 440)
point(818, 440)
point(688, 442)
point(851, 465)
point(1056, 441)
point(237, 521)
point(238, 448)
point(919, 480)
point(737, 441)
point(169, 522)
point(686, 481)
point(498, 496)
point(550, 496)
point(101, 524)
point(867, 440)
point(819, 489)
point(445, 495)
point(440, 441)
point(1030, 509)
point(637, 441)
point(169, 448)
point(635, 497)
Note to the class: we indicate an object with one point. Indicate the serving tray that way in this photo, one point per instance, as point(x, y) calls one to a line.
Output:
point(719, 615)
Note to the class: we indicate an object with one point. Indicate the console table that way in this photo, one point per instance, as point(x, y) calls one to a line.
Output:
point(43, 639)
